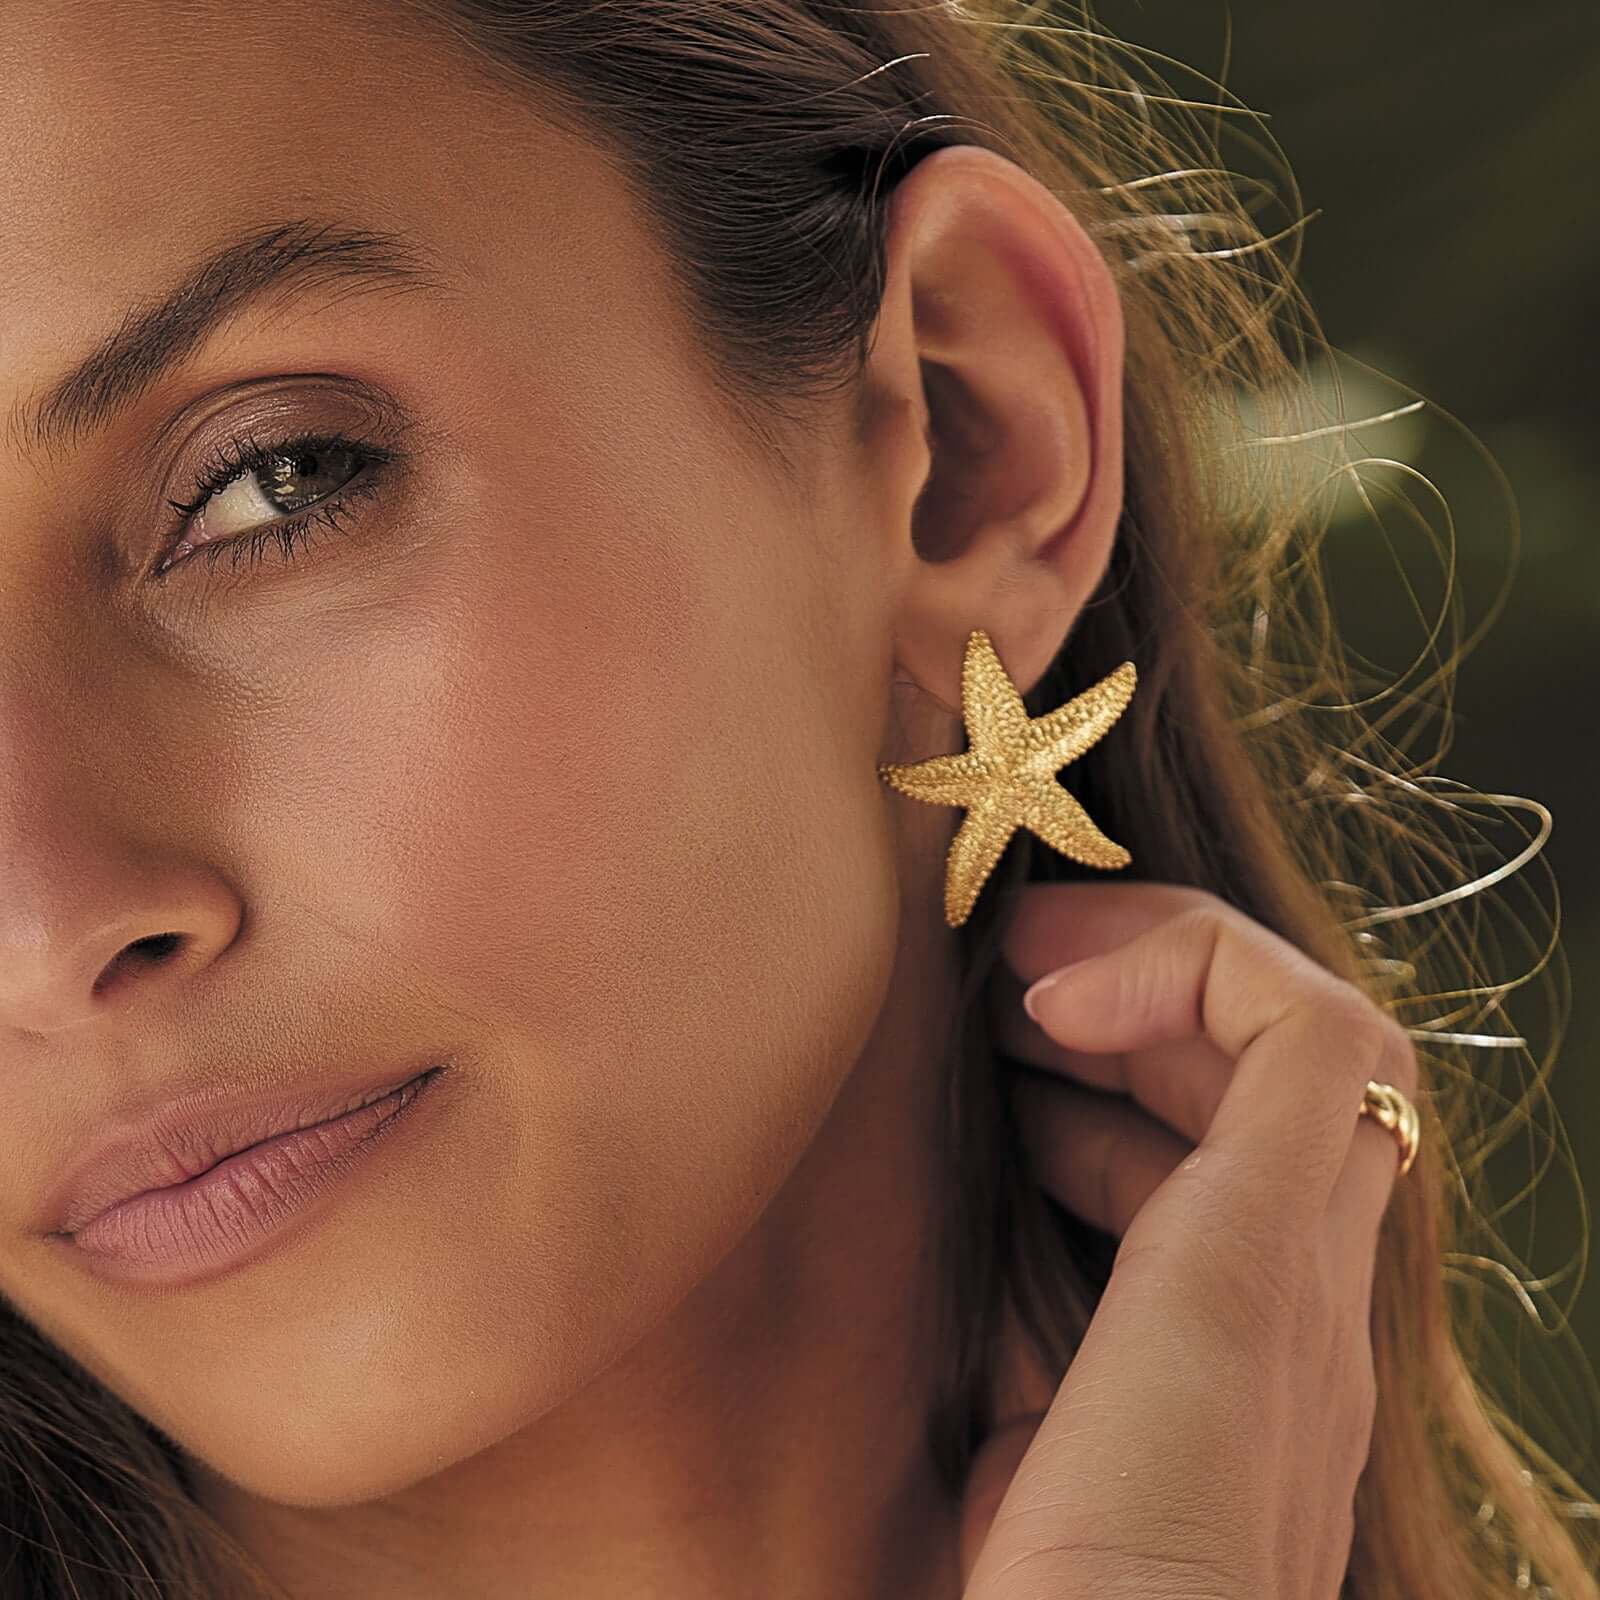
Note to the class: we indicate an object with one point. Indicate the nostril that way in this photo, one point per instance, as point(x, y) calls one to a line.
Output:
point(150, 951)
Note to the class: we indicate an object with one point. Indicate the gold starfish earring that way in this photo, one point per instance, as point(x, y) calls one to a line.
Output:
point(1006, 776)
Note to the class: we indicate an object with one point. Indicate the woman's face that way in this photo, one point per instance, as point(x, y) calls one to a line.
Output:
point(552, 756)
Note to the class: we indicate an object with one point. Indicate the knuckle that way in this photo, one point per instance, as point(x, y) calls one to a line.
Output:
point(1146, 987)
point(1394, 1056)
point(1202, 911)
point(1379, 1047)
point(1196, 901)
point(1399, 1060)
point(1192, 935)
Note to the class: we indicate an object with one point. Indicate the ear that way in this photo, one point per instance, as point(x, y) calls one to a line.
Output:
point(994, 399)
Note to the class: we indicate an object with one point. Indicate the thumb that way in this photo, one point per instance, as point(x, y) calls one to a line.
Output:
point(992, 1470)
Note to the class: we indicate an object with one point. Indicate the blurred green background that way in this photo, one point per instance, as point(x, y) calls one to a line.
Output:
point(1450, 151)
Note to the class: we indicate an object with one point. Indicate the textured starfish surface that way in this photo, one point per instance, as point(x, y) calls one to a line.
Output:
point(1006, 778)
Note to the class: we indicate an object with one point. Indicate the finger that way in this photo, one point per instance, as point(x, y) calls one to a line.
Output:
point(1196, 1071)
point(1098, 1154)
point(993, 1468)
point(1304, 1043)
point(1366, 1186)
point(1057, 923)
point(1199, 1074)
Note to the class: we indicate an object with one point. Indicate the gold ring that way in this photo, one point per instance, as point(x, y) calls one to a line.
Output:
point(1386, 1105)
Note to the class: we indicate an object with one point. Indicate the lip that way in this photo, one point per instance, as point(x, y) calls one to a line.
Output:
point(207, 1141)
point(248, 1202)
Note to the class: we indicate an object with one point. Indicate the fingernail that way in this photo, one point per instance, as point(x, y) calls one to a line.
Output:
point(1030, 1000)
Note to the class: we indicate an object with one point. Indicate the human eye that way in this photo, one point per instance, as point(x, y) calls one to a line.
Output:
point(322, 475)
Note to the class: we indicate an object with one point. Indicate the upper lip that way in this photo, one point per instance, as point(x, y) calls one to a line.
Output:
point(182, 1137)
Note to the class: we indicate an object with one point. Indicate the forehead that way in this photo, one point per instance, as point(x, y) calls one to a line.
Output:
point(118, 118)
point(135, 135)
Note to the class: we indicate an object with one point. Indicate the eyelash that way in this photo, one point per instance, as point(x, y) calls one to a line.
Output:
point(245, 454)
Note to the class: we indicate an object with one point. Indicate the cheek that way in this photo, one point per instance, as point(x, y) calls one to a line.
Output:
point(595, 825)
point(647, 870)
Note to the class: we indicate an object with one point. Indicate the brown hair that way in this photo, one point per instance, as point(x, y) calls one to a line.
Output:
point(763, 138)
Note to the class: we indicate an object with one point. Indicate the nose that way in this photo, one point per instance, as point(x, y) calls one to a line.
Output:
point(104, 898)
point(100, 930)
point(108, 896)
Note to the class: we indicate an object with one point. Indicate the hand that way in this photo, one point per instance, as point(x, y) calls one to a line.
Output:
point(1210, 1430)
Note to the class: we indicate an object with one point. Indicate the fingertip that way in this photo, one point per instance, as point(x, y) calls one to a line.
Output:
point(1031, 997)
point(1037, 990)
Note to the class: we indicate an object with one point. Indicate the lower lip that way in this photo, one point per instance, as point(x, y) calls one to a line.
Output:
point(231, 1212)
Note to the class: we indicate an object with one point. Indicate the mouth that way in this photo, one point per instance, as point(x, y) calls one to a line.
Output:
point(374, 1099)
point(189, 1136)
point(228, 1212)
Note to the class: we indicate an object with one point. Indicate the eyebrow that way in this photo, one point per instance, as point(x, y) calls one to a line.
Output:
point(153, 337)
